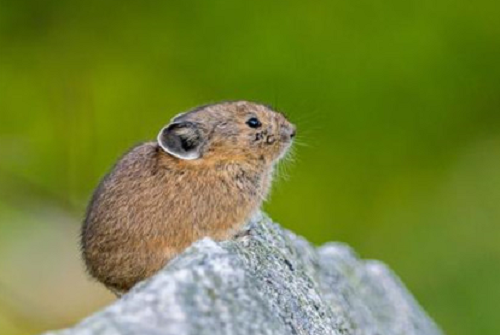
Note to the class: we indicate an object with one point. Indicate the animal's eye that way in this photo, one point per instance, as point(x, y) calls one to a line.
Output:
point(253, 122)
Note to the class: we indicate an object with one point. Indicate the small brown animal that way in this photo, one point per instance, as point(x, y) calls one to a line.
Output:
point(208, 172)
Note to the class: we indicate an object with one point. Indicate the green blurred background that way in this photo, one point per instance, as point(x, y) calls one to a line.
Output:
point(397, 105)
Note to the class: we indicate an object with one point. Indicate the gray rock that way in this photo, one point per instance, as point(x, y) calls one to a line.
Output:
point(268, 281)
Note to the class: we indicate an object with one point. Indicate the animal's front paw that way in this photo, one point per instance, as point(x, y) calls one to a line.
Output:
point(242, 233)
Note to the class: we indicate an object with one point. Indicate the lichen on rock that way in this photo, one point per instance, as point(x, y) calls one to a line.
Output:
point(267, 281)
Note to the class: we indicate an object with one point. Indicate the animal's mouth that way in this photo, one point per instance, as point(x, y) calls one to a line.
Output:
point(284, 149)
point(287, 138)
point(286, 143)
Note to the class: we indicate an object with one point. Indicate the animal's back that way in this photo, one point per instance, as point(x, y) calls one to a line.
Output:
point(115, 229)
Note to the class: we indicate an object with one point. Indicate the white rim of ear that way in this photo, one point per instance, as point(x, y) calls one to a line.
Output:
point(190, 156)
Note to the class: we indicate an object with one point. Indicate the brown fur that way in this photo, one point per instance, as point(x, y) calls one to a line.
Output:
point(152, 205)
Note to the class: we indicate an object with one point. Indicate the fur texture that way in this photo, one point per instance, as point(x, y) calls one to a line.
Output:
point(153, 204)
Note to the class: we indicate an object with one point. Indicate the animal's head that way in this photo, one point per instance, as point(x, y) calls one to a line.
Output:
point(228, 131)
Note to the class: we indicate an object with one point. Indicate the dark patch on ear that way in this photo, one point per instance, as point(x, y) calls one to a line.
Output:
point(182, 139)
point(188, 144)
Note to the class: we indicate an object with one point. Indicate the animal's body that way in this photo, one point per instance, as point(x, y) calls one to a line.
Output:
point(208, 172)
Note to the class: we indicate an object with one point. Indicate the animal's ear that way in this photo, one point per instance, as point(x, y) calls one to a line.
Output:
point(182, 139)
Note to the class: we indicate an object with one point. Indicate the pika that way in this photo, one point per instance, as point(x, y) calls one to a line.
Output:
point(208, 172)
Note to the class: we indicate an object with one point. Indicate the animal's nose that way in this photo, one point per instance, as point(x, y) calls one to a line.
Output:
point(289, 131)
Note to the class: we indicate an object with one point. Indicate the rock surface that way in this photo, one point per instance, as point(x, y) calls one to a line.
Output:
point(269, 281)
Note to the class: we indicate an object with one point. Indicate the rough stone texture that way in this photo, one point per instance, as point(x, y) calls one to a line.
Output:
point(268, 281)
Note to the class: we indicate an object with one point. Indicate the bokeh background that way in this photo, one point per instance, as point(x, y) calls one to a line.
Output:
point(397, 105)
